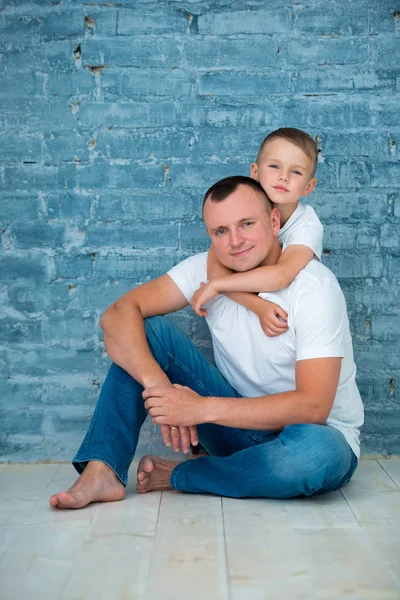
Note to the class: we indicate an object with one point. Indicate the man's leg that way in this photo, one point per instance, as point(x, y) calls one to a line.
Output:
point(300, 460)
point(110, 443)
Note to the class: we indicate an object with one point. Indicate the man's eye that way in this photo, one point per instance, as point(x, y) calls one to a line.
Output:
point(247, 223)
point(220, 231)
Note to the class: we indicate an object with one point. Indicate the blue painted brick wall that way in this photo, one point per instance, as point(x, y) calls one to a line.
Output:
point(115, 118)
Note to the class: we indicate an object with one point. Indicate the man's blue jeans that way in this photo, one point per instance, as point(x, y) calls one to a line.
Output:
point(302, 459)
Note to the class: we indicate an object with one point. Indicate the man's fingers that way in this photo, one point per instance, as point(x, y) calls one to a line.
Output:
point(175, 435)
point(166, 434)
point(185, 439)
point(194, 438)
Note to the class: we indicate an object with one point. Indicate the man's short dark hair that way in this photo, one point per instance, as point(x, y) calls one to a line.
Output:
point(225, 187)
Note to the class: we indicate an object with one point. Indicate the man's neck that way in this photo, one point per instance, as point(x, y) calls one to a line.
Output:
point(273, 255)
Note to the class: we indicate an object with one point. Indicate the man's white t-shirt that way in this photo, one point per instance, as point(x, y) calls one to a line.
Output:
point(257, 365)
point(303, 228)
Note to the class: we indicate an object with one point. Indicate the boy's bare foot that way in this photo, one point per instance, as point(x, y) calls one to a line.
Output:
point(98, 483)
point(154, 474)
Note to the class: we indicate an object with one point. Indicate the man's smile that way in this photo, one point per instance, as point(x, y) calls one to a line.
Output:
point(241, 252)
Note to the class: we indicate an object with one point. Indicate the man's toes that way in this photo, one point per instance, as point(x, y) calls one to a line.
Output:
point(53, 501)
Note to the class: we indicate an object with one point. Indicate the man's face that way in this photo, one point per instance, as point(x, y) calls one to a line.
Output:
point(241, 230)
point(284, 171)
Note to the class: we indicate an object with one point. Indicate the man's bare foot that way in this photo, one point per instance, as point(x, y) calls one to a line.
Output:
point(98, 483)
point(154, 474)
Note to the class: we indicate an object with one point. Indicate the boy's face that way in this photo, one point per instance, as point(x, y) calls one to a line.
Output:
point(284, 171)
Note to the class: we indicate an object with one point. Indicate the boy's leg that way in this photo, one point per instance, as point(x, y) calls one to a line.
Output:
point(114, 430)
point(301, 460)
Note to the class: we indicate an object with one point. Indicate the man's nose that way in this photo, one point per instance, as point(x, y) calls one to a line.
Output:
point(236, 238)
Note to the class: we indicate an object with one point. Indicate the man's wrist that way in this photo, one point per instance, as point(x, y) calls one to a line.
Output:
point(212, 406)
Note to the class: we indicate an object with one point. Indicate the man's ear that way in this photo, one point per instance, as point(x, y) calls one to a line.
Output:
point(311, 185)
point(275, 221)
point(254, 171)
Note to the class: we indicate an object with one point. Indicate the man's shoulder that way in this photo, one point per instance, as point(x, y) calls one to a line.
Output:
point(315, 279)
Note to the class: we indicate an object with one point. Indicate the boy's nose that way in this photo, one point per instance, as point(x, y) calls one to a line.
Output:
point(284, 177)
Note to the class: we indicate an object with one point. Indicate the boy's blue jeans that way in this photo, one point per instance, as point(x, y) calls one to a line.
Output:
point(302, 459)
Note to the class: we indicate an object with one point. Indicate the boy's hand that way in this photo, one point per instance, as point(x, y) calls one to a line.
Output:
point(271, 322)
point(205, 292)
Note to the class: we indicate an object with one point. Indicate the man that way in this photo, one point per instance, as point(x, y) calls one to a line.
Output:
point(279, 416)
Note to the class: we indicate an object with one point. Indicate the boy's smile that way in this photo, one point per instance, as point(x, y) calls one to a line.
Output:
point(284, 171)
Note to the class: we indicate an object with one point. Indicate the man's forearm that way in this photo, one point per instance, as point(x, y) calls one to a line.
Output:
point(265, 412)
point(126, 345)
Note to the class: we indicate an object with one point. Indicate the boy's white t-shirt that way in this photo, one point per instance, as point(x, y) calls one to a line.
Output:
point(257, 365)
point(303, 228)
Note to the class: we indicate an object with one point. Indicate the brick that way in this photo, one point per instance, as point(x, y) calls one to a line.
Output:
point(68, 205)
point(338, 79)
point(395, 200)
point(330, 19)
point(128, 114)
point(225, 143)
point(22, 85)
point(14, 205)
point(350, 265)
point(33, 266)
point(132, 52)
point(101, 20)
point(20, 420)
point(138, 236)
point(344, 206)
point(203, 175)
point(376, 144)
point(21, 148)
point(385, 174)
point(377, 354)
point(103, 174)
point(131, 83)
point(16, 26)
point(72, 83)
point(76, 266)
point(59, 326)
point(135, 267)
point(28, 235)
point(390, 236)
point(59, 24)
point(354, 174)
point(326, 51)
point(381, 420)
point(275, 20)
point(348, 237)
point(393, 266)
point(380, 444)
point(71, 146)
point(194, 237)
point(370, 295)
point(388, 51)
point(23, 392)
point(147, 206)
point(13, 330)
point(231, 52)
point(206, 112)
point(385, 327)
point(136, 144)
point(385, 111)
point(133, 22)
point(223, 83)
point(39, 177)
point(48, 56)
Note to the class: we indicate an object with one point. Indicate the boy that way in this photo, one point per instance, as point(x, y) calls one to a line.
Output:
point(285, 167)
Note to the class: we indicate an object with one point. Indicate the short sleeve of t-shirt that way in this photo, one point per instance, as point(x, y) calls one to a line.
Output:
point(303, 228)
point(318, 312)
point(189, 273)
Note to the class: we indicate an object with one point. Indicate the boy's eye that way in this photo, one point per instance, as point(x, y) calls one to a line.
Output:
point(274, 166)
point(297, 172)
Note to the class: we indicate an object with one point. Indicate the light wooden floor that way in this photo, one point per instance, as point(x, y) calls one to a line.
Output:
point(341, 545)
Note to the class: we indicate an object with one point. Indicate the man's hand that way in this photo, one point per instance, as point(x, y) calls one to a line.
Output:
point(177, 406)
point(273, 319)
point(180, 436)
point(205, 292)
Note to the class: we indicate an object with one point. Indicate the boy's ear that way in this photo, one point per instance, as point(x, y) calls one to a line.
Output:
point(311, 185)
point(254, 171)
point(275, 221)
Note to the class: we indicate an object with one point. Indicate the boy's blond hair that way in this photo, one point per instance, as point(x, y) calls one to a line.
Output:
point(298, 138)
